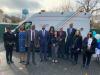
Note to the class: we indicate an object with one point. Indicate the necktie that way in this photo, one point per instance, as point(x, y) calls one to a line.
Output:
point(31, 35)
point(43, 32)
point(70, 30)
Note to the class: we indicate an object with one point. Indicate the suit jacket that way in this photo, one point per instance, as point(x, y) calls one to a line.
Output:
point(43, 39)
point(93, 46)
point(70, 36)
point(72, 33)
point(17, 41)
point(35, 39)
point(9, 39)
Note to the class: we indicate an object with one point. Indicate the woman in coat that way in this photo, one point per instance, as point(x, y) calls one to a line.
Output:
point(76, 46)
point(89, 45)
point(22, 48)
point(51, 35)
point(54, 47)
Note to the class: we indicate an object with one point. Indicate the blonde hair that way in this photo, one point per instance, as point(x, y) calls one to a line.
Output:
point(78, 31)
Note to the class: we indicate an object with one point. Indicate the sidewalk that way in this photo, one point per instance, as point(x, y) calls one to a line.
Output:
point(64, 67)
point(1, 46)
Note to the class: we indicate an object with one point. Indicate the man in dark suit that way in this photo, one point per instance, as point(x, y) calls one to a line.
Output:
point(32, 41)
point(62, 37)
point(70, 32)
point(8, 38)
point(43, 38)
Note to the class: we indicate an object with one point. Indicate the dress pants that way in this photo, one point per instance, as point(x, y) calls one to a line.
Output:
point(76, 53)
point(86, 58)
point(31, 52)
point(9, 51)
point(43, 52)
point(61, 50)
point(54, 52)
point(69, 51)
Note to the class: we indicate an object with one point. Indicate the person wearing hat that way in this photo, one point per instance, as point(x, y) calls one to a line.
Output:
point(9, 39)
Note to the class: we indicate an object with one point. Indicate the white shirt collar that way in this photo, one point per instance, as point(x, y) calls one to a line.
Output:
point(32, 30)
point(43, 30)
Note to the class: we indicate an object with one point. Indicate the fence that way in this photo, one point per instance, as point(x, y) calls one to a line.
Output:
point(97, 30)
point(2, 30)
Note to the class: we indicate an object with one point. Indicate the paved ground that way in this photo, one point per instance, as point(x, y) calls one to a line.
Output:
point(64, 67)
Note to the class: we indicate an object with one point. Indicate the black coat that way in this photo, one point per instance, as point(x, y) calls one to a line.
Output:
point(50, 37)
point(62, 37)
point(77, 42)
point(70, 37)
point(55, 41)
point(9, 39)
point(93, 46)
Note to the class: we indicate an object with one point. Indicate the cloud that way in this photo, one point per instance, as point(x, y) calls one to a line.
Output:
point(17, 5)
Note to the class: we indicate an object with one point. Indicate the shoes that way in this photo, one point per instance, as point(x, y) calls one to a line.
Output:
point(53, 61)
point(8, 62)
point(34, 63)
point(41, 60)
point(22, 62)
point(11, 62)
point(56, 61)
point(85, 66)
point(27, 63)
point(75, 62)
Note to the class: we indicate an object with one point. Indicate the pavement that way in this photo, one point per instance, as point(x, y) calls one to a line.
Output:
point(64, 67)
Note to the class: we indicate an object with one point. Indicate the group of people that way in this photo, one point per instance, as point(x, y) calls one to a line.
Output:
point(51, 44)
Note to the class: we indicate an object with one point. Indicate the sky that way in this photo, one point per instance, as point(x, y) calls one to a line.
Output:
point(15, 7)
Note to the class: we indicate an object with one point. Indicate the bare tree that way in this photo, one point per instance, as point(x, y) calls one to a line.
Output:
point(67, 5)
point(15, 19)
point(89, 5)
point(63, 6)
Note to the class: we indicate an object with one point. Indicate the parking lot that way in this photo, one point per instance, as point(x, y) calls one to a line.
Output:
point(64, 67)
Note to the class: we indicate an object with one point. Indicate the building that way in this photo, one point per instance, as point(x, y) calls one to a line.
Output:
point(96, 18)
point(80, 20)
point(4, 18)
point(1, 17)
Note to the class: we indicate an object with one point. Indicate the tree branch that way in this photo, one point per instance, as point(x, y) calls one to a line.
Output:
point(94, 5)
point(95, 10)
